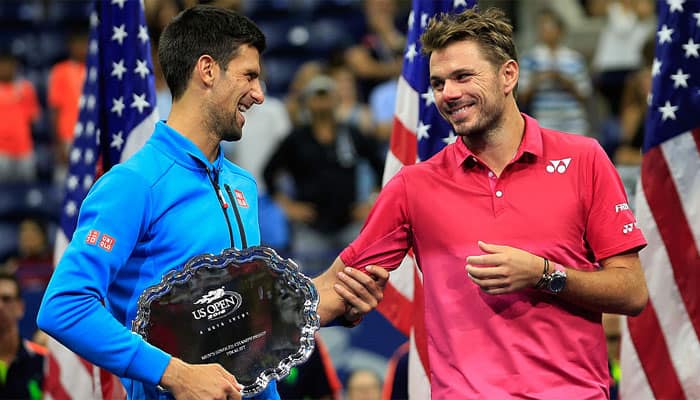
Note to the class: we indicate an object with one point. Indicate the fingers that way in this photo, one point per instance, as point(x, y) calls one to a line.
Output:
point(491, 248)
point(485, 273)
point(359, 290)
point(488, 259)
point(233, 390)
point(380, 275)
point(493, 285)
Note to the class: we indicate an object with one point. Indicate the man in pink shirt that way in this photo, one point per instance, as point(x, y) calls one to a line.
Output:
point(540, 216)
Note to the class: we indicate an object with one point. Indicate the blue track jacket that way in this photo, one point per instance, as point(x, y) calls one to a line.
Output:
point(143, 218)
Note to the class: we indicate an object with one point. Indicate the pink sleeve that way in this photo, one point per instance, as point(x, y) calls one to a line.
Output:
point(386, 236)
point(611, 228)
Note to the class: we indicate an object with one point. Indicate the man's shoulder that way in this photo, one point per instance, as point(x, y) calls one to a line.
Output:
point(436, 164)
point(235, 169)
point(565, 140)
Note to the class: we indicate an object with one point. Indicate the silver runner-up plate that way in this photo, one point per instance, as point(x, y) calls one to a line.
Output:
point(249, 310)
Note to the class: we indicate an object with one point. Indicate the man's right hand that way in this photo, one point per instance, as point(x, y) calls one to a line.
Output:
point(202, 381)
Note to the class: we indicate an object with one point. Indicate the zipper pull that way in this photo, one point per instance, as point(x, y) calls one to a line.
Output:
point(221, 197)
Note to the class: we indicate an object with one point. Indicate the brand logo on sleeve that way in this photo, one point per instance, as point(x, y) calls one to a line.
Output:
point(240, 198)
point(92, 237)
point(106, 242)
point(627, 228)
point(621, 207)
point(559, 166)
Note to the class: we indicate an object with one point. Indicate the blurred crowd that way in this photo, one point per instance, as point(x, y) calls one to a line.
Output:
point(317, 144)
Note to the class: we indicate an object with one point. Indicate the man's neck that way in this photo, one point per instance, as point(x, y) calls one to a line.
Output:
point(498, 147)
point(186, 119)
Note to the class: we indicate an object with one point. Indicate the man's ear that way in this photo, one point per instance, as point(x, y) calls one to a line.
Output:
point(510, 71)
point(205, 70)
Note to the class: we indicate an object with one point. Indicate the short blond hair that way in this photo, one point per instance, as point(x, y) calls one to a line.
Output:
point(491, 30)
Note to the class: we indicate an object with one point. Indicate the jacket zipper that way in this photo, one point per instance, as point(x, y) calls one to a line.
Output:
point(238, 215)
point(223, 204)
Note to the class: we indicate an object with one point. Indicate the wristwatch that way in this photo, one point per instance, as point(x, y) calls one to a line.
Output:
point(555, 281)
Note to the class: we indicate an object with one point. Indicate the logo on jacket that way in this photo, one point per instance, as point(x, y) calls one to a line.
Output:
point(240, 198)
point(558, 165)
point(105, 242)
point(217, 304)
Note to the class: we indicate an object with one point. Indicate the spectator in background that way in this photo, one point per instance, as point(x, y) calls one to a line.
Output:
point(350, 110)
point(64, 89)
point(33, 266)
point(382, 102)
point(633, 109)
point(321, 158)
point(619, 51)
point(379, 56)
point(554, 83)
point(21, 361)
point(353, 112)
point(364, 384)
point(293, 101)
point(19, 109)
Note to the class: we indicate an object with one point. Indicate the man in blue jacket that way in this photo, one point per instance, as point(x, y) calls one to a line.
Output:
point(175, 198)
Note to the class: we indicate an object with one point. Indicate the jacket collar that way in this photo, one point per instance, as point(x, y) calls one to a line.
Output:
point(181, 149)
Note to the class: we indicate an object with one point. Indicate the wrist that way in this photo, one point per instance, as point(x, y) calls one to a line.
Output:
point(553, 277)
point(172, 374)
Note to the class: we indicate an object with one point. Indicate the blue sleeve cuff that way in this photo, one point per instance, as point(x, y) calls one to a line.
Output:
point(148, 364)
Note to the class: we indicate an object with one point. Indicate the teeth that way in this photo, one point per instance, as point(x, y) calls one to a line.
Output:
point(242, 108)
point(458, 110)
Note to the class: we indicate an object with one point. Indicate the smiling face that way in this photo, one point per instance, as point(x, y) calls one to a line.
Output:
point(236, 90)
point(470, 91)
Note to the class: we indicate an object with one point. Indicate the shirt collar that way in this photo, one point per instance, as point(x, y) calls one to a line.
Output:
point(530, 144)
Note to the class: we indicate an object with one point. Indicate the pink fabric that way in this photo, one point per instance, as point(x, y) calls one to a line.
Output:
point(526, 344)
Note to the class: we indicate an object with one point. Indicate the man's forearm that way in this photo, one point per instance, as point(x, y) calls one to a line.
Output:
point(331, 305)
point(617, 288)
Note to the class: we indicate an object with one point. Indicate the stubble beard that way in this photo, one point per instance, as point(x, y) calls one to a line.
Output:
point(223, 125)
point(483, 128)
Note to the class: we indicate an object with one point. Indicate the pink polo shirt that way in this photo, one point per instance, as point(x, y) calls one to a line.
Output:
point(559, 198)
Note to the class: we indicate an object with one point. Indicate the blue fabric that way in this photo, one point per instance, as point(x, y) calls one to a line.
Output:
point(143, 218)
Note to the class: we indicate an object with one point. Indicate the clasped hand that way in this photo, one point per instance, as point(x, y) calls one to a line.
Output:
point(361, 291)
point(504, 269)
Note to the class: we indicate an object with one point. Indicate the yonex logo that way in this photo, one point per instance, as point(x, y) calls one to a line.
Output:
point(558, 165)
point(627, 228)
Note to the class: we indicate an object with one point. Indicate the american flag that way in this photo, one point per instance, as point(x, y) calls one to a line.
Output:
point(660, 348)
point(117, 115)
point(418, 132)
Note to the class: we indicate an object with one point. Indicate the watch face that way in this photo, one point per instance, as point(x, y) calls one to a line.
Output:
point(557, 282)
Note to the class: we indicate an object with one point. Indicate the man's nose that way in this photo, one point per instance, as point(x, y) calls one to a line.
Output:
point(450, 90)
point(257, 93)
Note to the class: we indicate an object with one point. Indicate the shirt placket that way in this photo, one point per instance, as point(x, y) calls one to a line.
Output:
point(497, 192)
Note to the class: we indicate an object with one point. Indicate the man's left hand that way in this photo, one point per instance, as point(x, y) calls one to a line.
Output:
point(504, 269)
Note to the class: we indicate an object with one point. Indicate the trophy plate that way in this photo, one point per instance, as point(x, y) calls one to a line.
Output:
point(249, 310)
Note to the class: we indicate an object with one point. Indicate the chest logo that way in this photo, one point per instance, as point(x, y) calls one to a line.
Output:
point(240, 199)
point(559, 166)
